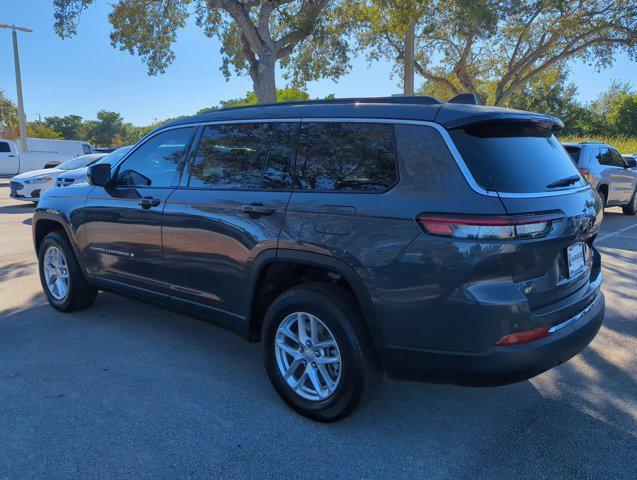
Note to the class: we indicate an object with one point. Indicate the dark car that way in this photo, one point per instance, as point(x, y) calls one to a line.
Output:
point(431, 241)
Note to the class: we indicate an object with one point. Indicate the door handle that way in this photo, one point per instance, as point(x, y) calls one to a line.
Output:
point(257, 209)
point(11, 155)
point(148, 202)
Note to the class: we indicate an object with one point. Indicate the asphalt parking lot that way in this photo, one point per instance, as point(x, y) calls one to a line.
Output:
point(127, 390)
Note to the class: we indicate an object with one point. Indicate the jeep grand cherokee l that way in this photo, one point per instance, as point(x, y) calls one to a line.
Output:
point(429, 241)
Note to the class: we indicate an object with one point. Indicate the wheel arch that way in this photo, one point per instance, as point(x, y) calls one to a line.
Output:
point(272, 262)
point(45, 222)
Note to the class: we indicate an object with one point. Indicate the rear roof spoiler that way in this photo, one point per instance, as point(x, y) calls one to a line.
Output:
point(545, 121)
point(466, 99)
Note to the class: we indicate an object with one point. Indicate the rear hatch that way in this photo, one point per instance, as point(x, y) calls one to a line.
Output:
point(533, 174)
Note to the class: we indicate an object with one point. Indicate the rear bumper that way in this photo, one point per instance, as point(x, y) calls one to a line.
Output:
point(500, 365)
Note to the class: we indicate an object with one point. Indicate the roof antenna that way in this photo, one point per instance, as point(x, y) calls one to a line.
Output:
point(466, 99)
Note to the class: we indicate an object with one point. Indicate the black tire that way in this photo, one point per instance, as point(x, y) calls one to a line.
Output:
point(80, 294)
point(360, 371)
point(604, 197)
point(631, 208)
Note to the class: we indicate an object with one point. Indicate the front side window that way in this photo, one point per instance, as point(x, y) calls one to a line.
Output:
point(604, 157)
point(86, 148)
point(343, 156)
point(231, 156)
point(156, 162)
point(4, 147)
point(618, 160)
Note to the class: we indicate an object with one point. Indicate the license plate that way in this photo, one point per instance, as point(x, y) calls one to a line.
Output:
point(576, 259)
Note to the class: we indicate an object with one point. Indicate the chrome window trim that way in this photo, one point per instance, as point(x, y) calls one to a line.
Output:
point(439, 128)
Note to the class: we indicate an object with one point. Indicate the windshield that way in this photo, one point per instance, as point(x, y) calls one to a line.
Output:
point(516, 158)
point(113, 157)
point(77, 162)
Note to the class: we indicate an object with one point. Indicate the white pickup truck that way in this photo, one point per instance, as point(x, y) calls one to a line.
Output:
point(42, 153)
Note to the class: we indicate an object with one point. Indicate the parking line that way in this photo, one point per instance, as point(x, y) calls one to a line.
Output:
point(621, 230)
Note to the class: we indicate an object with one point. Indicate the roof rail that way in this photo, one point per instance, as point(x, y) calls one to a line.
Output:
point(401, 100)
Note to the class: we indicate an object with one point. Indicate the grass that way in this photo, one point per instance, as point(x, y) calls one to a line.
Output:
point(623, 144)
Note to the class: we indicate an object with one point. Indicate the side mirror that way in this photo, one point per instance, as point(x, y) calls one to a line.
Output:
point(631, 162)
point(99, 174)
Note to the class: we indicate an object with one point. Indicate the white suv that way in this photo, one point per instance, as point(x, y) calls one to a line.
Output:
point(614, 177)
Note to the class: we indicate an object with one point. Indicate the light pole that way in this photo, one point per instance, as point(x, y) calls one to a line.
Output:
point(22, 119)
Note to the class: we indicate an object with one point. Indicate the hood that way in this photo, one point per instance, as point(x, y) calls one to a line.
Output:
point(77, 173)
point(46, 172)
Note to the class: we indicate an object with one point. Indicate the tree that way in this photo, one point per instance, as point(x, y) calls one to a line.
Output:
point(41, 130)
point(69, 126)
point(103, 131)
point(254, 35)
point(282, 95)
point(493, 48)
point(8, 118)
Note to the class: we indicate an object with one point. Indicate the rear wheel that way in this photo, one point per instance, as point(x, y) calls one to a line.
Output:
point(604, 196)
point(317, 352)
point(61, 276)
point(631, 208)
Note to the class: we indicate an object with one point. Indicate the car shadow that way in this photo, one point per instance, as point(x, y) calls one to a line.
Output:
point(18, 208)
point(144, 379)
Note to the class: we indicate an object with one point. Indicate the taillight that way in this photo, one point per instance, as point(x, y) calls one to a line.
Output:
point(483, 227)
point(525, 336)
point(586, 173)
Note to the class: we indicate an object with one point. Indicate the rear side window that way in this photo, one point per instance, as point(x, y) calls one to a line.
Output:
point(231, 156)
point(574, 152)
point(4, 147)
point(515, 158)
point(342, 156)
point(156, 162)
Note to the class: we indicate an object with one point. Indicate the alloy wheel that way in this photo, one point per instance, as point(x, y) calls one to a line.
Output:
point(56, 273)
point(308, 356)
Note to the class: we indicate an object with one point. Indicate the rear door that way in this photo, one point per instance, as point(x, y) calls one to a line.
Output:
point(623, 177)
point(228, 210)
point(123, 221)
point(9, 160)
point(524, 165)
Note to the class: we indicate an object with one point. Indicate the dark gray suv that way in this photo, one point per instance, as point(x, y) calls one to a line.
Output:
point(430, 241)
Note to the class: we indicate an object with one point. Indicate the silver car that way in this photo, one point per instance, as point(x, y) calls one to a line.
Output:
point(611, 175)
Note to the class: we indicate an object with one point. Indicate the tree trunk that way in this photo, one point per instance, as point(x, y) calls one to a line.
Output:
point(264, 81)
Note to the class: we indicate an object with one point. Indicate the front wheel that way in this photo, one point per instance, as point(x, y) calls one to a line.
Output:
point(62, 279)
point(317, 352)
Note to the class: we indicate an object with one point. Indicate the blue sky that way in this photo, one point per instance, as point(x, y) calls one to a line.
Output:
point(85, 74)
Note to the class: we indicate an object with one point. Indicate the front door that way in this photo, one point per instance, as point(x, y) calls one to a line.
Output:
point(123, 221)
point(9, 161)
point(228, 210)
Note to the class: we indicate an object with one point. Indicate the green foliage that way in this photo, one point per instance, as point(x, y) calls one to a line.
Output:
point(69, 127)
point(623, 144)
point(288, 94)
point(8, 118)
point(41, 130)
point(493, 48)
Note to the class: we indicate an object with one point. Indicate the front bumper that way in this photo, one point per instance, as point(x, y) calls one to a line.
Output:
point(25, 195)
point(500, 365)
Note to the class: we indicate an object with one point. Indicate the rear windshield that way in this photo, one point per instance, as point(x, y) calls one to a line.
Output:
point(516, 158)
